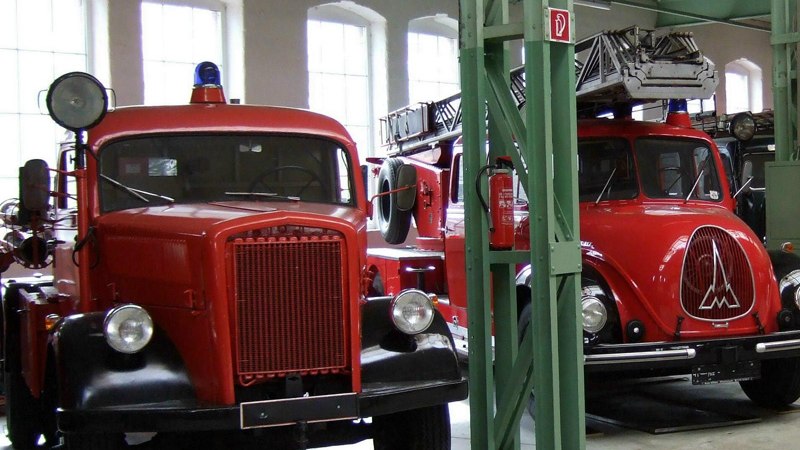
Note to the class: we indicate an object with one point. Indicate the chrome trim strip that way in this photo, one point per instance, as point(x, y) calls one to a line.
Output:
point(638, 357)
point(768, 347)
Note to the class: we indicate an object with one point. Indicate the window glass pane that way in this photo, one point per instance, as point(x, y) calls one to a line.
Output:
point(37, 70)
point(736, 90)
point(174, 40)
point(338, 62)
point(68, 16)
point(8, 77)
point(152, 31)
point(8, 24)
point(40, 39)
point(191, 169)
point(37, 32)
point(9, 128)
point(433, 67)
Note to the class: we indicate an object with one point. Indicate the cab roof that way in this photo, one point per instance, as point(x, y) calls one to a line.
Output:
point(214, 118)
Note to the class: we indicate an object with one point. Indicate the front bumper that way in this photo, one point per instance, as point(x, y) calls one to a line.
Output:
point(690, 354)
point(374, 400)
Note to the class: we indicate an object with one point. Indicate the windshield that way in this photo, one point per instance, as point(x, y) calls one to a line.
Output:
point(160, 170)
point(677, 168)
point(606, 170)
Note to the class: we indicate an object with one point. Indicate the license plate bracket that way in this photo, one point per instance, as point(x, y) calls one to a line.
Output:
point(321, 408)
point(722, 373)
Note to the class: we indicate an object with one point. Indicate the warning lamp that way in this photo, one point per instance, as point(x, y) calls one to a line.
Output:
point(677, 114)
point(207, 74)
point(207, 84)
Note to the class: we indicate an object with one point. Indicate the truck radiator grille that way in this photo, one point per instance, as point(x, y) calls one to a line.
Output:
point(717, 282)
point(290, 306)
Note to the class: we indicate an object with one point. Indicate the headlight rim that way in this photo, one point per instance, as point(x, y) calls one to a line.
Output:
point(404, 326)
point(594, 301)
point(116, 316)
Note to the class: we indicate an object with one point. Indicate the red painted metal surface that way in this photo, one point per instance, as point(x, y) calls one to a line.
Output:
point(290, 306)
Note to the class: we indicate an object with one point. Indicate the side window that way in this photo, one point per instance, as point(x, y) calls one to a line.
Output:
point(457, 189)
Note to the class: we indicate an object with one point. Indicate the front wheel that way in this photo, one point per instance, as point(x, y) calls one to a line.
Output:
point(418, 429)
point(778, 386)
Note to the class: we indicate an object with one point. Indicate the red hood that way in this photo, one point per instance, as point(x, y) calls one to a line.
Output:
point(210, 218)
point(640, 250)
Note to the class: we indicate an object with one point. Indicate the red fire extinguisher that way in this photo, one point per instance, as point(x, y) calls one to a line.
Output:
point(501, 205)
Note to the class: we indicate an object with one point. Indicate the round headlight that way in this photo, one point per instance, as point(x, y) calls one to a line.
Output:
point(412, 311)
point(797, 297)
point(743, 126)
point(595, 314)
point(128, 328)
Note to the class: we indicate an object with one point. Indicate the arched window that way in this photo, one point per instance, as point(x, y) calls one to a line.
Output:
point(179, 34)
point(39, 41)
point(346, 58)
point(432, 58)
point(743, 86)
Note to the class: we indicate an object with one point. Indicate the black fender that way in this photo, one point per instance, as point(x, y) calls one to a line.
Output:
point(787, 274)
point(93, 375)
point(391, 356)
point(592, 283)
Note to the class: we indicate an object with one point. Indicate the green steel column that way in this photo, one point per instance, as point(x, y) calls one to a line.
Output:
point(473, 93)
point(555, 338)
point(783, 175)
point(784, 16)
point(552, 190)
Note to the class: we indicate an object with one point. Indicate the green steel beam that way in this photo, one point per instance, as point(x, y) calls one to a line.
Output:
point(473, 93)
point(783, 214)
point(554, 341)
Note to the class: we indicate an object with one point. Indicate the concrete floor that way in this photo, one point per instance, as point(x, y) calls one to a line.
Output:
point(774, 429)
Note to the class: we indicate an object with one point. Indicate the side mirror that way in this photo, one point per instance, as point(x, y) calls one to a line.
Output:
point(34, 179)
point(407, 181)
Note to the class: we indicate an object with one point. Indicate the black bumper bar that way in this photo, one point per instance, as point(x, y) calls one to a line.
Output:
point(372, 401)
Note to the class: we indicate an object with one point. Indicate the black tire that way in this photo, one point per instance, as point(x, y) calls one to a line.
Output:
point(22, 417)
point(94, 441)
point(778, 386)
point(418, 429)
point(23, 421)
point(393, 223)
point(523, 323)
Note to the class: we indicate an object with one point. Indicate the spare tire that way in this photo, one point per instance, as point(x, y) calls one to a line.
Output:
point(392, 222)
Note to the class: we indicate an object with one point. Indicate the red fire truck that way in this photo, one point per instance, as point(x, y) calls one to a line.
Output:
point(672, 280)
point(209, 267)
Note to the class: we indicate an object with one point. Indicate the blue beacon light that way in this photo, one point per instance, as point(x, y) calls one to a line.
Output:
point(207, 84)
point(207, 73)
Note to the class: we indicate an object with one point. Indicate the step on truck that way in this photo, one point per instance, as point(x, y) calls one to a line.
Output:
point(208, 277)
point(673, 282)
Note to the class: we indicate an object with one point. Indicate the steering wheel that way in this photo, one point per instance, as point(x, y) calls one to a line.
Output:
point(269, 186)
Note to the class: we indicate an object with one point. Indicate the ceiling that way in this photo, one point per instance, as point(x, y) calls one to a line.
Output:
point(753, 14)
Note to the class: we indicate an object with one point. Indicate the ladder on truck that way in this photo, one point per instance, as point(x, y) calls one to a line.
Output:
point(631, 66)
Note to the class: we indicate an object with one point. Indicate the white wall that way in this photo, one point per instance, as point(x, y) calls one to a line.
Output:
point(275, 45)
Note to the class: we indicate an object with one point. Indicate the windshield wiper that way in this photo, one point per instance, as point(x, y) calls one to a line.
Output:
point(697, 179)
point(264, 194)
point(608, 183)
point(138, 193)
